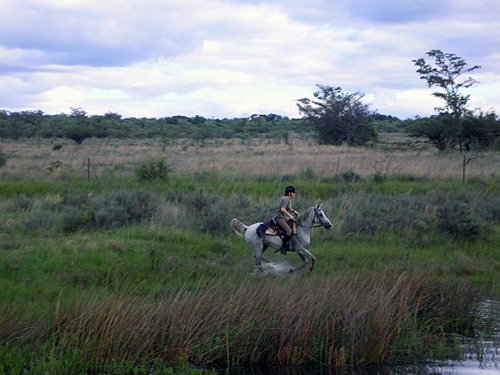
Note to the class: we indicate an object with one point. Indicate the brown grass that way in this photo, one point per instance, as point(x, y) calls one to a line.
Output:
point(337, 321)
point(256, 157)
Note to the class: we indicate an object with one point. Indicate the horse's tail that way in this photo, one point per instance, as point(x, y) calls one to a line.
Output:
point(238, 227)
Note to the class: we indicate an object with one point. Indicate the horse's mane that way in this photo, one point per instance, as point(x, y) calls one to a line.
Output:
point(301, 218)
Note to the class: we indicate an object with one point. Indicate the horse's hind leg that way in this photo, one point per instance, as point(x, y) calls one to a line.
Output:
point(259, 258)
point(262, 255)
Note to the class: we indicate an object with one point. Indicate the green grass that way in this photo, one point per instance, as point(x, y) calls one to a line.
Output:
point(158, 293)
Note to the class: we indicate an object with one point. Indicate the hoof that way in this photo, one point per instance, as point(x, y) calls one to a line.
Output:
point(291, 270)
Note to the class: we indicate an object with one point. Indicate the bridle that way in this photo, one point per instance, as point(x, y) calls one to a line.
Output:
point(315, 225)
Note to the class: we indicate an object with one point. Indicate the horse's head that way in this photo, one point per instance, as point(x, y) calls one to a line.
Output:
point(320, 218)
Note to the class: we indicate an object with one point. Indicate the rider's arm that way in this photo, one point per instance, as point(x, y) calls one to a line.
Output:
point(283, 209)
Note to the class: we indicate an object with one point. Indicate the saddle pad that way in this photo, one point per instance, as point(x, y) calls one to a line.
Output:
point(271, 232)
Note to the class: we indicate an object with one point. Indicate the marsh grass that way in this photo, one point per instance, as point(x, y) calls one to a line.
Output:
point(381, 318)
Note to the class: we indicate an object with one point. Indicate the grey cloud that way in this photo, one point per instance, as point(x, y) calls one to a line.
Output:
point(376, 11)
point(350, 12)
point(397, 11)
point(78, 38)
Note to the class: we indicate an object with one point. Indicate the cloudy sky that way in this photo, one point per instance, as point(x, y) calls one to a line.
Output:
point(234, 58)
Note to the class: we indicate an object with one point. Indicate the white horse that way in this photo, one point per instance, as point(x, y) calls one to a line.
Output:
point(313, 217)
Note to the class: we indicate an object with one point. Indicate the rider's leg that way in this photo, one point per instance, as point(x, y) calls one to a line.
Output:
point(283, 224)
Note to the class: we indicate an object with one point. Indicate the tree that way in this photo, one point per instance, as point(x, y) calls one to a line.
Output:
point(79, 129)
point(79, 115)
point(338, 117)
point(445, 73)
point(435, 130)
point(481, 131)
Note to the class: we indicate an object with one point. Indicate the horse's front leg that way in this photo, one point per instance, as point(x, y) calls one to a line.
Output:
point(305, 255)
point(312, 265)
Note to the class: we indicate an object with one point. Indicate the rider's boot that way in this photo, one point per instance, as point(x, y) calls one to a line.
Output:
point(286, 241)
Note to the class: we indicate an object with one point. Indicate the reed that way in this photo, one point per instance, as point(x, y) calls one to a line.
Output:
point(227, 321)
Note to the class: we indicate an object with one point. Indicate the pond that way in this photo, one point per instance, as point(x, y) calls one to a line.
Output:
point(470, 365)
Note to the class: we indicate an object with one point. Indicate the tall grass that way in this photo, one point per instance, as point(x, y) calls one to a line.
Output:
point(382, 318)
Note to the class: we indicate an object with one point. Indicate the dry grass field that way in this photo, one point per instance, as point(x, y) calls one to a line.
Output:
point(36, 158)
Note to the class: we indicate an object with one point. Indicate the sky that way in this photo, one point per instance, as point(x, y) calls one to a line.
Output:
point(235, 58)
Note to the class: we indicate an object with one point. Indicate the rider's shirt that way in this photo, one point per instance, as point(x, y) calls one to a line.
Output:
point(285, 202)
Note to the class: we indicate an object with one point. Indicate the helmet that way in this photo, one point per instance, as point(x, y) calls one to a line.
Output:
point(290, 189)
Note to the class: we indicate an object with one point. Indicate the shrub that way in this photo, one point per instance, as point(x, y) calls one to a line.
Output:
point(154, 169)
point(55, 166)
point(72, 218)
point(199, 202)
point(23, 203)
point(379, 178)
point(350, 176)
point(220, 213)
point(123, 207)
point(455, 217)
point(377, 212)
point(211, 213)
point(77, 198)
point(42, 220)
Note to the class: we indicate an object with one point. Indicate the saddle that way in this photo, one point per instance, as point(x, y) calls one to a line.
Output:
point(272, 228)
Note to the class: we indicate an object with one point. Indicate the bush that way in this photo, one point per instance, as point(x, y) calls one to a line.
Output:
point(211, 213)
point(23, 203)
point(72, 218)
point(376, 212)
point(456, 218)
point(123, 207)
point(154, 169)
point(460, 214)
point(42, 220)
point(77, 198)
point(350, 176)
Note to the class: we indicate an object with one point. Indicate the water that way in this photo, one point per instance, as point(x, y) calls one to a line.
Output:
point(465, 367)
point(481, 357)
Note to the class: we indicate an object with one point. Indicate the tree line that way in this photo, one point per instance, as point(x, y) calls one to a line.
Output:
point(79, 126)
point(333, 117)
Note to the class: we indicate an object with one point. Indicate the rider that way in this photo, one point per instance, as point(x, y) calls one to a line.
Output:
point(284, 212)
